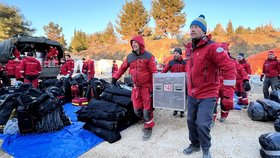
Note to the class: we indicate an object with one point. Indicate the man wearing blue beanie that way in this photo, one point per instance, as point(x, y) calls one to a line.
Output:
point(205, 58)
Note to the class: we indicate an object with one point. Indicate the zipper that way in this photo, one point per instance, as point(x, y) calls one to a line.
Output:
point(205, 72)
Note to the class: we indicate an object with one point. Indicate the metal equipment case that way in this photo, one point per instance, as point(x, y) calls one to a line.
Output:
point(169, 91)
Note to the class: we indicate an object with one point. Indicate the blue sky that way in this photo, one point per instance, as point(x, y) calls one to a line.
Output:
point(93, 15)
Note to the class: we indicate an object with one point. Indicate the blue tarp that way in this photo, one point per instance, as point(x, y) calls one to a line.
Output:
point(72, 141)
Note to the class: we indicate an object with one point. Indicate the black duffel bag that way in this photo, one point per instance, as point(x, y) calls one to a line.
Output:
point(275, 96)
point(271, 107)
point(277, 124)
point(270, 143)
point(256, 112)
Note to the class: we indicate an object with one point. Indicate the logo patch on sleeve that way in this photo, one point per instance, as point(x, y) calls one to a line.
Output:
point(219, 50)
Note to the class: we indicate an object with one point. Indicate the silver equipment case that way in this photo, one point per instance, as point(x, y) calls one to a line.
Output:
point(169, 91)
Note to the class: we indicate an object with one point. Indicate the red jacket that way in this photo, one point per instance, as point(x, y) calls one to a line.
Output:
point(114, 69)
point(65, 69)
point(175, 66)
point(246, 66)
point(271, 68)
point(52, 53)
point(205, 61)
point(141, 66)
point(30, 66)
point(84, 68)
point(10, 67)
point(71, 63)
point(90, 69)
point(241, 73)
point(16, 53)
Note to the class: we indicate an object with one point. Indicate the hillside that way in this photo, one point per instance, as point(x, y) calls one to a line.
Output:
point(246, 43)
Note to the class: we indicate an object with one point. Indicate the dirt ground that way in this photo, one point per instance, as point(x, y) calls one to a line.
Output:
point(237, 137)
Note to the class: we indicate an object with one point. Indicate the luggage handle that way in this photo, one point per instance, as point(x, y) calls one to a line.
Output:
point(178, 87)
point(158, 87)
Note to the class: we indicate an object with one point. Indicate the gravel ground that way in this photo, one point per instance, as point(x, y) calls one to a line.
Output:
point(237, 137)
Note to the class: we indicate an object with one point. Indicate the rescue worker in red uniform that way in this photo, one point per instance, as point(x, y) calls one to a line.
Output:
point(53, 52)
point(52, 57)
point(89, 67)
point(65, 69)
point(114, 67)
point(241, 80)
point(244, 63)
point(30, 69)
point(271, 71)
point(84, 67)
point(12, 69)
point(241, 94)
point(142, 65)
point(16, 53)
point(205, 58)
point(176, 65)
point(70, 61)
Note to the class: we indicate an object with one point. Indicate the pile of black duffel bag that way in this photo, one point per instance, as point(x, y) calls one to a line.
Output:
point(109, 115)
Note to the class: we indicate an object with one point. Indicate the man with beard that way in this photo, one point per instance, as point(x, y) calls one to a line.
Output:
point(176, 65)
point(205, 58)
point(142, 65)
point(271, 71)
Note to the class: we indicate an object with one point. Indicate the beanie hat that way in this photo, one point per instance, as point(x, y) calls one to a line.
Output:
point(225, 46)
point(200, 22)
point(241, 55)
point(270, 52)
point(178, 50)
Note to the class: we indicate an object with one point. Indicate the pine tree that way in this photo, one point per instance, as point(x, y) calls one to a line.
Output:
point(219, 30)
point(12, 22)
point(79, 42)
point(240, 30)
point(230, 30)
point(54, 31)
point(168, 17)
point(133, 20)
point(109, 35)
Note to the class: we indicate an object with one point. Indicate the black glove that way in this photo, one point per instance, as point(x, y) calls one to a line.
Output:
point(114, 81)
point(246, 86)
point(261, 78)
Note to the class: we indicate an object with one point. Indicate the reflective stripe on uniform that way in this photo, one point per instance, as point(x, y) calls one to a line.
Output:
point(229, 82)
point(271, 153)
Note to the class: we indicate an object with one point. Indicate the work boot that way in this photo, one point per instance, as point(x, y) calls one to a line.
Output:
point(147, 133)
point(182, 114)
point(174, 113)
point(222, 119)
point(190, 149)
point(206, 154)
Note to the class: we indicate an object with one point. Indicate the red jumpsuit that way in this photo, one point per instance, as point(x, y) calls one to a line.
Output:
point(241, 76)
point(114, 68)
point(30, 69)
point(246, 66)
point(65, 69)
point(12, 69)
point(71, 63)
point(141, 69)
point(90, 69)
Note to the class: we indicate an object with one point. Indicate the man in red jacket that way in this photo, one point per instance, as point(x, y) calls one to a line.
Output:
point(65, 69)
point(30, 68)
point(176, 65)
point(244, 63)
point(114, 67)
point(89, 68)
point(271, 71)
point(12, 69)
point(142, 65)
point(205, 58)
point(70, 62)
